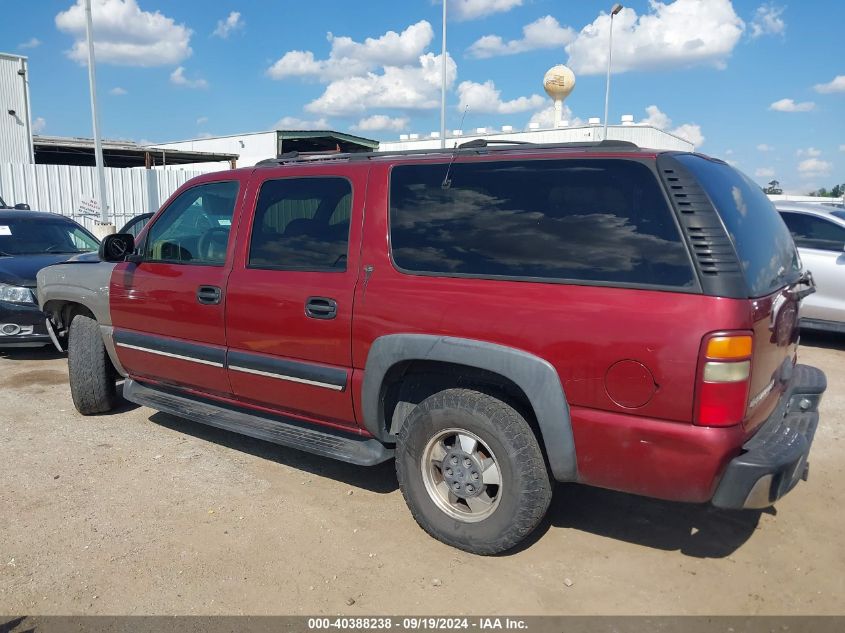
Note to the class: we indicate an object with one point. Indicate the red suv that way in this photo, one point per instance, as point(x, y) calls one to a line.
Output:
point(496, 318)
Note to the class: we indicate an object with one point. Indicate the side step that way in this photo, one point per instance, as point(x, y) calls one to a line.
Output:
point(277, 429)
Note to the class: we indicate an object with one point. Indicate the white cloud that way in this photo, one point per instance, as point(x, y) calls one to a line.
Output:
point(545, 118)
point(39, 124)
point(407, 88)
point(295, 123)
point(676, 34)
point(812, 152)
point(474, 9)
point(837, 84)
point(812, 167)
point(767, 21)
point(842, 148)
point(202, 120)
point(32, 42)
point(545, 32)
point(729, 152)
point(486, 99)
point(228, 26)
point(764, 148)
point(788, 105)
point(125, 35)
point(177, 78)
point(349, 58)
point(117, 91)
point(659, 119)
point(764, 172)
point(378, 122)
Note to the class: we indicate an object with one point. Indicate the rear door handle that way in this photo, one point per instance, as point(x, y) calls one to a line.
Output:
point(209, 295)
point(321, 308)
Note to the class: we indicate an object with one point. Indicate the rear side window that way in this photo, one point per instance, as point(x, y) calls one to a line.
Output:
point(812, 232)
point(603, 221)
point(302, 224)
point(762, 241)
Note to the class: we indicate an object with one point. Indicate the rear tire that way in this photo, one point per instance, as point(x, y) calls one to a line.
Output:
point(472, 471)
point(92, 376)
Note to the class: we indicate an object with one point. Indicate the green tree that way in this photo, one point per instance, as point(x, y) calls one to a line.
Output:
point(773, 188)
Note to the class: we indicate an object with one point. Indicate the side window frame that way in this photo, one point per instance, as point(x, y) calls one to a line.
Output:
point(255, 219)
point(157, 217)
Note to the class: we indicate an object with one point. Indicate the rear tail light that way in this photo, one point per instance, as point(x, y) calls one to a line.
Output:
point(724, 374)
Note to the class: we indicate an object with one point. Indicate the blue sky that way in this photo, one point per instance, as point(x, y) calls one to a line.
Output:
point(761, 84)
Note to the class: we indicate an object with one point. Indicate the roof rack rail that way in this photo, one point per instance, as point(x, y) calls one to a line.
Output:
point(490, 145)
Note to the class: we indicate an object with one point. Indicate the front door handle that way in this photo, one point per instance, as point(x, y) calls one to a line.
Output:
point(209, 295)
point(321, 308)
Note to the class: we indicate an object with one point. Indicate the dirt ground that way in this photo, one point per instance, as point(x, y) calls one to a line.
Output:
point(138, 512)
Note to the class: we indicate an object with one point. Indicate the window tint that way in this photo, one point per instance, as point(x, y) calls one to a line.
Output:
point(811, 232)
point(302, 224)
point(590, 220)
point(44, 234)
point(194, 229)
point(762, 241)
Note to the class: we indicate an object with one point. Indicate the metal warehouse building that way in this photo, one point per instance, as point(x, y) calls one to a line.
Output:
point(15, 117)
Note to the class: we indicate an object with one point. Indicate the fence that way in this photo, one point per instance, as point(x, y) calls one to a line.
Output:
point(64, 188)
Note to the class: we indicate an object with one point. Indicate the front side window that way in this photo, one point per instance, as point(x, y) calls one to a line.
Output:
point(811, 232)
point(37, 235)
point(302, 224)
point(194, 229)
point(589, 220)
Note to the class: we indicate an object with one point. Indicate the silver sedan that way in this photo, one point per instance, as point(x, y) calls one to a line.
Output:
point(819, 234)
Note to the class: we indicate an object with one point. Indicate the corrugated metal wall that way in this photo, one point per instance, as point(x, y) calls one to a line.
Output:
point(62, 188)
point(14, 129)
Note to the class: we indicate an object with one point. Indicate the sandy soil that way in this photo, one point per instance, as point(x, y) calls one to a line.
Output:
point(138, 512)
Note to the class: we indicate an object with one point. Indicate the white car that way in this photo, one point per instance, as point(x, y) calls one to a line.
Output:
point(819, 234)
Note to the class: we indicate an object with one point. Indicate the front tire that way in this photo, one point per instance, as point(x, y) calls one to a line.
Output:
point(472, 472)
point(92, 376)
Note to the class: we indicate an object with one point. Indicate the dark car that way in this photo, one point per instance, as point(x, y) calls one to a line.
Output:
point(29, 241)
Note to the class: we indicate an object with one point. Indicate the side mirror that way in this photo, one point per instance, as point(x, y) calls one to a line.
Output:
point(116, 248)
point(22, 206)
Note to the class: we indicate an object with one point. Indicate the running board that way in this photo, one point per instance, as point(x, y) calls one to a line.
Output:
point(277, 429)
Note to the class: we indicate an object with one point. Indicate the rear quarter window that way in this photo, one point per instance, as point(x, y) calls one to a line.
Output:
point(762, 242)
point(581, 220)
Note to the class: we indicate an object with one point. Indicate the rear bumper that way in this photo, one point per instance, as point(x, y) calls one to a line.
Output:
point(775, 458)
point(22, 325)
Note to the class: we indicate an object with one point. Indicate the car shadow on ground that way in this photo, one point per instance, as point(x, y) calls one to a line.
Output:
point(380, 479)
point(695, 530)
point(48, 352)
point(827, 340)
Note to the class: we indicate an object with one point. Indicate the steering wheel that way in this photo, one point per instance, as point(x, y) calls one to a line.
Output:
point(207, 240)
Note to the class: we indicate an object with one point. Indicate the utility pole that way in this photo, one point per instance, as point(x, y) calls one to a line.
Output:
point(443, 84)
point(616, 8)
point(98, 145)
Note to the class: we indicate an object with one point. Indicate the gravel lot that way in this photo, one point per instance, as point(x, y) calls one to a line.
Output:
point(138, 512)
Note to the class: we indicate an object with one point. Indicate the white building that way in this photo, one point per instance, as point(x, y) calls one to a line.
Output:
point(642, 135)
point(15, 116)
point(253, 147)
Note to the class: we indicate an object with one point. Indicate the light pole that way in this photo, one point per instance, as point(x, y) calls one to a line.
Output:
point(443, 83)
point(92, 82)
point(616, 8)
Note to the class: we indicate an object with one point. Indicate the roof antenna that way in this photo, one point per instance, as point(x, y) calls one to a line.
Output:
point(447, 182)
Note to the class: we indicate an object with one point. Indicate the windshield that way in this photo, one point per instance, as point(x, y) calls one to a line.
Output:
point(762, 241)
point(40, 235)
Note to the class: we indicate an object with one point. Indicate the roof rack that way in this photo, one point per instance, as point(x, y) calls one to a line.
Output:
point(468, 147)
